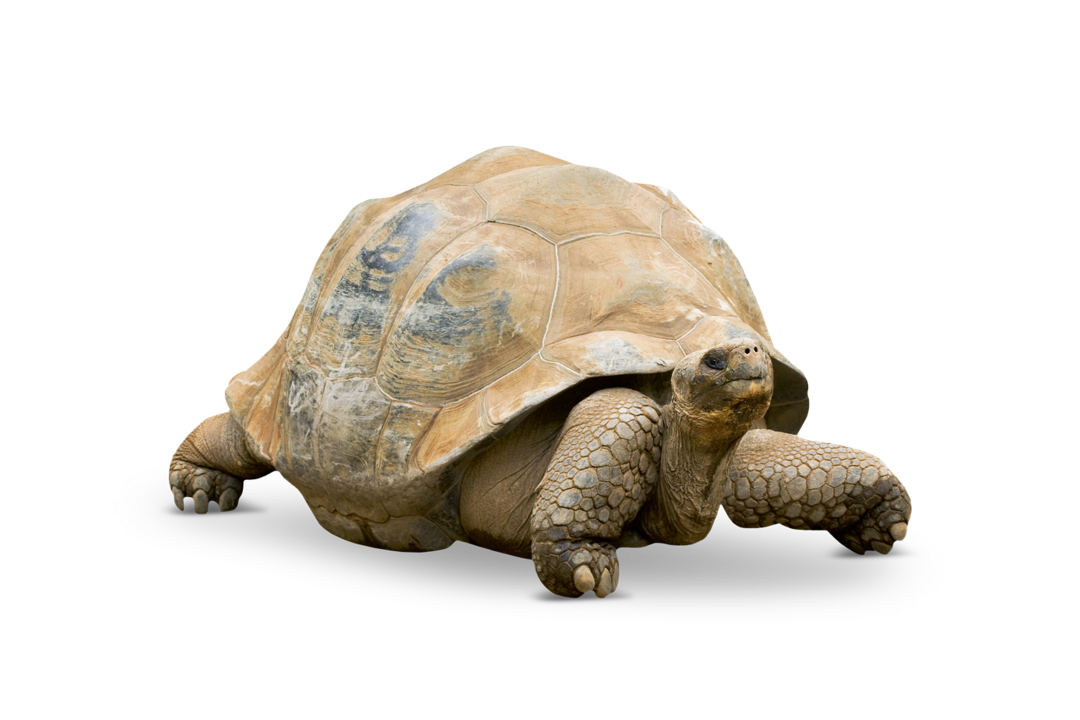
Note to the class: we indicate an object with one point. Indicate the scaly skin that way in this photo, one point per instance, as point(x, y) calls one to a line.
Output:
point(212, 464)
point(604, 469)
point(779, 478)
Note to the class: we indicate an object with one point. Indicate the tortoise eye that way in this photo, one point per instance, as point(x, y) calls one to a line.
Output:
point(716, 362)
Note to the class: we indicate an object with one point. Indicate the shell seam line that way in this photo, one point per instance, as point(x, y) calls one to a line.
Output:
point(567, 368)
point(523, 227)
point(554, 299)
point(378, 441)
point(610, 234)
point(678, 340)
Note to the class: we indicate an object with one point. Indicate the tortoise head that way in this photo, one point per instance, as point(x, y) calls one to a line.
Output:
point(724, 390)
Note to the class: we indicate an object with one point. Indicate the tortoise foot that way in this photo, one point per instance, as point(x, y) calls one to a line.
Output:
point(572, 569)
point(882, 526)
point(203, 485)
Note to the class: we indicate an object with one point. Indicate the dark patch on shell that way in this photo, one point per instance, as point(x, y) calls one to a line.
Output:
point(463, 312)
point(360, 303)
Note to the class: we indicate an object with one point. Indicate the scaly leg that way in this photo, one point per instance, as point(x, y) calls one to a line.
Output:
point(212, 464)
point(780, 478)
point(604, 468)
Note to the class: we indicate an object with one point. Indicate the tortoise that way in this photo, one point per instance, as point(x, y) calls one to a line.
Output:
point(542, 359)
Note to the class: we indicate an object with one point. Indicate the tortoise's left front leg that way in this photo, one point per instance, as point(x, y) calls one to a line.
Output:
point(779, 478)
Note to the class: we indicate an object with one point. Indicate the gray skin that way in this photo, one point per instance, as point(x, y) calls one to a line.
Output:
point(625, 467)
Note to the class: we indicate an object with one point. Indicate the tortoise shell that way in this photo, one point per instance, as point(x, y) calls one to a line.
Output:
point(436, 319)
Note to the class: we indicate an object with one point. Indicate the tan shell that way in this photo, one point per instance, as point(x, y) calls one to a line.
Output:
point(438, 316)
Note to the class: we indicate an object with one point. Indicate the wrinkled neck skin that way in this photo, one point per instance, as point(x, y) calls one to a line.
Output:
point(717, 395)
point(697, 447)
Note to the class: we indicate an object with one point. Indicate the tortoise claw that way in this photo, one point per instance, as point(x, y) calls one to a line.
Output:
point(178, 497)
point(583, 579)
point(227, 500)
point(202, 501)
point(605, 587)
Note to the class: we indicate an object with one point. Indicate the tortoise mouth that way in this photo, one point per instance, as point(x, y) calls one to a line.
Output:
point(752, 379)
point(747, 388)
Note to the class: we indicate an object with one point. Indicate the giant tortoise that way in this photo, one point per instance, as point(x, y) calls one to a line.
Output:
point(542, 359)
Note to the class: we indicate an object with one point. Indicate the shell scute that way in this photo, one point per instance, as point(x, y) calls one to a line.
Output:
point(628, 283)
point(471, 316)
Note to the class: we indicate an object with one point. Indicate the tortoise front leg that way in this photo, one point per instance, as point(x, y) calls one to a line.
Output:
point(605, 466)
point(779, 478)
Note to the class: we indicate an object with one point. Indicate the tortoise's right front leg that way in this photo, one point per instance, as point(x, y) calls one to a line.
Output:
point(605, 466)
point(212, 464)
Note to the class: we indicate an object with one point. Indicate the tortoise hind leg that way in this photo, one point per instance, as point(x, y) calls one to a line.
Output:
point(212, 464)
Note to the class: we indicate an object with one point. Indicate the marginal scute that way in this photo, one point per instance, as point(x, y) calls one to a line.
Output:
point(404, 425)
point(253, 399)
point(527, 387)
point(456, 428)
point(614, 353)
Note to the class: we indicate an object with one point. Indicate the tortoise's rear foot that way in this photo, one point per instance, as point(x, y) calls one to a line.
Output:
point(212, 464)
point(203, 484)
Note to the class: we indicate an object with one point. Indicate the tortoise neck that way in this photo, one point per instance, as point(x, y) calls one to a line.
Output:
point(687, 499)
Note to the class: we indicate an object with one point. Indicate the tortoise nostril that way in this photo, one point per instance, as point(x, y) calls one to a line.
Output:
point(747, 351)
